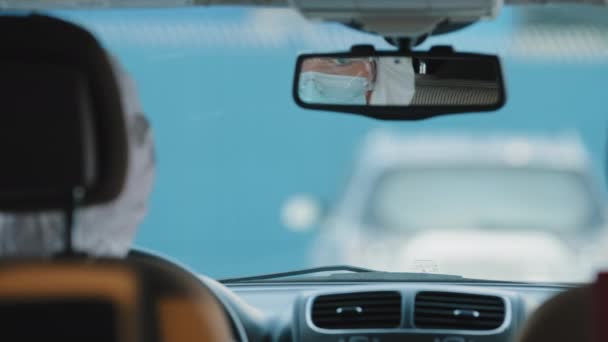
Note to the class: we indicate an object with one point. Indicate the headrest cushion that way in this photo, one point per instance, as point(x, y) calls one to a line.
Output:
point(62, 123)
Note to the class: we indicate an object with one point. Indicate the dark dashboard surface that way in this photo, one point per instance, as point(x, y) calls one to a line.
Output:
point(432, 311)
point(282, 311)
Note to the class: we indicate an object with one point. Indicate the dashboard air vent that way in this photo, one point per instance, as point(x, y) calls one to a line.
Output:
point(361, 310)
point(449, 310)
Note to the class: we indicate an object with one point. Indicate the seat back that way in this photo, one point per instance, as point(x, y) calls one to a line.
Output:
point(184, 308)
point(578, 314)
point(107, 301)
point(600, 308)
point(565, 317)
point(69, 301)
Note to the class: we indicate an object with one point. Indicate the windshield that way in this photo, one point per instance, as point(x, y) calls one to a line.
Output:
point(233, 149)
point(484, 198)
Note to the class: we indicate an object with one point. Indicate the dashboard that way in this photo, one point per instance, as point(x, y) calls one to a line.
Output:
point(381, 312)
point(414, 311)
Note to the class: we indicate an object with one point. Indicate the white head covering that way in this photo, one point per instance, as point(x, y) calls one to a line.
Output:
point(395, 81)
point(101, 230)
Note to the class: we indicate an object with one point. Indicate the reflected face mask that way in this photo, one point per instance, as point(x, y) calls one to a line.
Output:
point(320, 88)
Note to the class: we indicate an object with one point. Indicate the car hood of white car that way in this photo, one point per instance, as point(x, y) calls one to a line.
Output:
point(500, 255)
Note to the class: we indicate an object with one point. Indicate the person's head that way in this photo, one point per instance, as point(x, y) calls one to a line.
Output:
point(104, 230)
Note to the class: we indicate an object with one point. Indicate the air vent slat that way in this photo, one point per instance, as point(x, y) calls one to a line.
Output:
point(450, 313)
point(459, 306)
point(332, 312)
point(451, 299)
point(366, 310)
point(369, 305)
point(454, 324)
point(368, 300)
point(451, 310)
point(435, 319)
point(367, 319)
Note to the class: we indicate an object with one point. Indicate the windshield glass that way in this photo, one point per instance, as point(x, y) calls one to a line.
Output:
point(484, 198)
point(249, 183)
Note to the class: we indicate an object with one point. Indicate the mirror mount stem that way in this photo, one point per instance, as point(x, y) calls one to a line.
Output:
point(403, 44)
point(363, 50)
point(406, 44)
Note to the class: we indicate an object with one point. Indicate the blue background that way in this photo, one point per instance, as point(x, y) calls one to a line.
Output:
point(232, 146)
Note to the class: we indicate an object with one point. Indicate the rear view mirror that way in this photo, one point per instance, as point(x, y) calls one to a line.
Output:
point(399, 85)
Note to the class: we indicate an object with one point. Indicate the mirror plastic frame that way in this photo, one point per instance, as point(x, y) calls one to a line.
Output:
point(402, 112)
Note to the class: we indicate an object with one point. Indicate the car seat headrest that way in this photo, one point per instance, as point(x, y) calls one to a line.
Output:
point(62, 124)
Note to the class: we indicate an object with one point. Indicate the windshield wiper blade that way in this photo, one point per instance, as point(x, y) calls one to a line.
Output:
point(394, 277)
point(306, 271)
point(356, 274)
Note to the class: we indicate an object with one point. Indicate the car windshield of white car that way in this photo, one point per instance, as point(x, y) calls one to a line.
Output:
point(484, 198)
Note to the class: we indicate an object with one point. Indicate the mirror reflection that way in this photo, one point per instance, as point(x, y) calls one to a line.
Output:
point(398, 81)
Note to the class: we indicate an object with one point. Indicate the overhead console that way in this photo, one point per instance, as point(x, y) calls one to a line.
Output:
point(397, 18)
point(428, 313)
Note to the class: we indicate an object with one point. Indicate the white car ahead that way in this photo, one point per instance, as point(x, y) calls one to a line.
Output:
point(499, 207)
